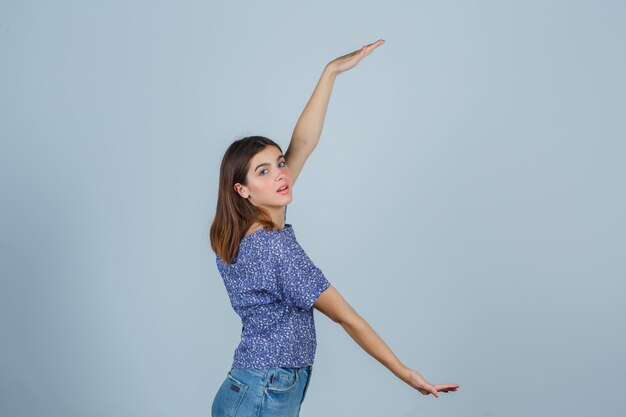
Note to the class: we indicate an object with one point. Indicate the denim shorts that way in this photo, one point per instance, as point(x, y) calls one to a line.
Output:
point(270, 392)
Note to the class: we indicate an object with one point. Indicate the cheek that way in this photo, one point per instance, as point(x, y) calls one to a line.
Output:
point(260, 184)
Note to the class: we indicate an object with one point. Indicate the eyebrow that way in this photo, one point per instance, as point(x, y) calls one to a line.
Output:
point(267, 163)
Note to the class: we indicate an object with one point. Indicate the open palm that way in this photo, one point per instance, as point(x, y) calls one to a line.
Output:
point(418, 382)
point(348, 61)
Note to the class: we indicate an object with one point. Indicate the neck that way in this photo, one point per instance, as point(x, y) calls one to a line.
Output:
point(278, 216)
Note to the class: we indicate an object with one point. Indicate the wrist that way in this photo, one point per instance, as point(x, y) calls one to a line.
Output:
point(330, 71)
point(401, 371)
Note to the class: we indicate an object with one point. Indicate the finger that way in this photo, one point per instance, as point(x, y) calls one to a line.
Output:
point(446, 387)
point(375, 45)
point(372, 45)
point(381, 41)
point(368, 49)
point(431, 389)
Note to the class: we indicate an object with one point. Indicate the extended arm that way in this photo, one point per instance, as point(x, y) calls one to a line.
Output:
point(333, 305)
point(306, 134)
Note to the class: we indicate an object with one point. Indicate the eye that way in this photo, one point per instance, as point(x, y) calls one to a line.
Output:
point(281, 164)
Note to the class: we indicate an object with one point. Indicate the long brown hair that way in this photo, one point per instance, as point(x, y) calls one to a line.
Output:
point(234, 214)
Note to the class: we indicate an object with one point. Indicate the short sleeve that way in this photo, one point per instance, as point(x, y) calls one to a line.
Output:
point(300, 281)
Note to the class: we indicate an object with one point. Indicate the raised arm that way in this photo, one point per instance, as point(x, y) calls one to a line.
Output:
point(308, 129)
point(333, 305)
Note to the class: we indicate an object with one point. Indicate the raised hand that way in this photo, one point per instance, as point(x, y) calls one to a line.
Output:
point(418, 382)
point(348, 61)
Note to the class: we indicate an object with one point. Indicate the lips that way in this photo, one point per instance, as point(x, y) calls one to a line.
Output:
point(281, 188)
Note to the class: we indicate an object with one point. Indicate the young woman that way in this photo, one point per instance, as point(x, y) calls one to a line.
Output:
point(272, 284)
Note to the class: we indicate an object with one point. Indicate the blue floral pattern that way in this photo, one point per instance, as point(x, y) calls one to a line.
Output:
point(272, 285)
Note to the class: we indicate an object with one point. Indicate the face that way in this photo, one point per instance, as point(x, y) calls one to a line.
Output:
point(268, 172)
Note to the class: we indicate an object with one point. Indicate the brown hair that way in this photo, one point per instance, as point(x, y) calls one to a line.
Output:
point(234, 214)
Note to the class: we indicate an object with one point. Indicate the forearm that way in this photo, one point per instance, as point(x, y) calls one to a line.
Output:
point(366, 337)
point(309, 126)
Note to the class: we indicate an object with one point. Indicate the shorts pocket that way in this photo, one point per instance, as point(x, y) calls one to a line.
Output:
point(229, 397)
point(282, 380)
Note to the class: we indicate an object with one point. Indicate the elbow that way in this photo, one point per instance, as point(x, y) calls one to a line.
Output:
point(349, 319)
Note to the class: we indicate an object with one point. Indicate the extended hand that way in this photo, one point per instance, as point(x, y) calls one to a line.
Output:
point(346, 62)
point(418, 382)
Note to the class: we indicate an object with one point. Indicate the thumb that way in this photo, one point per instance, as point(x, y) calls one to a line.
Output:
point(433, 391)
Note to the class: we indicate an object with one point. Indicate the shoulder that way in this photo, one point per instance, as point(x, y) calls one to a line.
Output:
point(278, 241)
point(254, 228)
point(282, 244)
point(288, 252)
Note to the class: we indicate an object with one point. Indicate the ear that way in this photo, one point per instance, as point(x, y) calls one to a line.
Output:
point(242, 190)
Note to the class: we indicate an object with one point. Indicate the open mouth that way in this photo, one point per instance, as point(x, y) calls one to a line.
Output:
point(282, 189)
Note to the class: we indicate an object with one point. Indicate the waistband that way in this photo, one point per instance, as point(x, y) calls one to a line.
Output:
point(264, 371)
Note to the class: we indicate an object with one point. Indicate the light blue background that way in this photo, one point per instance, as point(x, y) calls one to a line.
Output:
point(466, 197)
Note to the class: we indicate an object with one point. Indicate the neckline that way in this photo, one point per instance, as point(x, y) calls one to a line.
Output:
point(287, 226)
